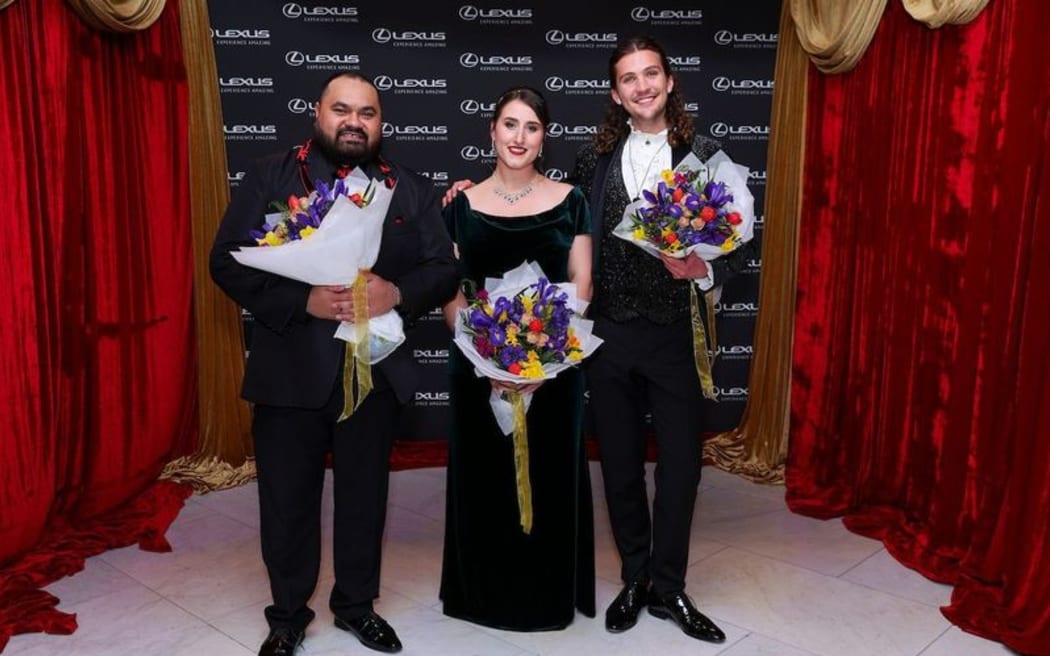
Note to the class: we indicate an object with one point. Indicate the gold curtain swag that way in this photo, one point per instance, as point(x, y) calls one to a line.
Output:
point(756, 450)
point(834, 33)
point(935, 13)
point(118, 15)
point(223, 458)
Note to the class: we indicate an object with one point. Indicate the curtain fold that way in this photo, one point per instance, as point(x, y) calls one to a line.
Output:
point(919, 382)
point(223, 458)
point(118, 15)
point(97, 347)
point(939, 12)
point(834, 33)
point(757, 448)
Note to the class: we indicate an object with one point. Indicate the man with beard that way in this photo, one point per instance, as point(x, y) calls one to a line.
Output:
point(293, 375)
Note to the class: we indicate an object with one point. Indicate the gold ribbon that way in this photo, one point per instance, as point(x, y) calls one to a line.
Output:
point(355, 362)
point(521, 462)
point(700, 346)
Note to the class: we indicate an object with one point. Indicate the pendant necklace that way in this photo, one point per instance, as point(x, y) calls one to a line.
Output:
point(634, 171)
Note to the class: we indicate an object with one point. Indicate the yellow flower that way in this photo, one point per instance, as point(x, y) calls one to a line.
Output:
point(532, 368)
point(729, 244)
point(271, 239)
point(512, 334)
point(307, 231)
point(527, 302)
point(639, 233)
point(668, 176)
point(575, 356)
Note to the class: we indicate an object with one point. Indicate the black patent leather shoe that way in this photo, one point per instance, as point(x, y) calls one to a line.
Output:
point(679, 607)
point(622, 613)
point(282, 641)
point(373, 632)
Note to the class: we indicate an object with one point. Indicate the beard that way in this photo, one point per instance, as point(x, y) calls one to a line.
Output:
point(346, 154)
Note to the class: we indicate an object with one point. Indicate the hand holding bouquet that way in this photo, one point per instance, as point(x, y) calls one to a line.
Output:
point(521, 329)
point(328, 238)
point(702, 208)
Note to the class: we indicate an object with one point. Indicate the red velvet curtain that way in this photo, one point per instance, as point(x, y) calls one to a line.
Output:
point(97, 355)
point(920, 397)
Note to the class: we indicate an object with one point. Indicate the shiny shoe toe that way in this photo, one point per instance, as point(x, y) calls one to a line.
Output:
point(282, 641)
point(679, 607)
point(622, 613)
point(373, 632)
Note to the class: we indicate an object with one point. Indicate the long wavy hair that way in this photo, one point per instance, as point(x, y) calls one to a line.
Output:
point(614, 125)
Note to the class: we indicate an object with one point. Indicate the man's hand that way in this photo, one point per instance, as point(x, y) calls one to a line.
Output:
point(457, 186)
point(336, 302)
point(333, 302)
point(690, 267)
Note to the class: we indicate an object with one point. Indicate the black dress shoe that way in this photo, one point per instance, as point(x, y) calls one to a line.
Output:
point(623, 611)
point(679, 607)
point(373, 632)
point(282, 641)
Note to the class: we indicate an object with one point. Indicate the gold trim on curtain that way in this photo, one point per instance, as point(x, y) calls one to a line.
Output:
point(757, 448)
point(936, 13)
point(118, 15)
point(836, 33)
point(225, 448)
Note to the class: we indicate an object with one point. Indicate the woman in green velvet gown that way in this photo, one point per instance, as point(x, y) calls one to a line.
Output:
point(494, 573)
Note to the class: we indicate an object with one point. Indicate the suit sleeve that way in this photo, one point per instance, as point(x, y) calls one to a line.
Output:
point(273, 300)
point(432, 281)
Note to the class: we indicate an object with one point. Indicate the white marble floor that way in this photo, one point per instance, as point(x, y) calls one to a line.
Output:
point(779, 585)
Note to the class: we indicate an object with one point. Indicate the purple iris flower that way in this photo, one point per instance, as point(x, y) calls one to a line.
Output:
point(497, 335)
point(717, 194)
point(510, 355)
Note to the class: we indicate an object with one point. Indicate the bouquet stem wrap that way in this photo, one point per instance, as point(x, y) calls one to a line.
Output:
point(521, 462)
point(356, 362)
point(700, 346)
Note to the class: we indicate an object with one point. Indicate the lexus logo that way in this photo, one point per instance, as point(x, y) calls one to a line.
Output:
point(470, 153)
point(556, 174)
point(383, 82)
point(723, 37)
point(469, 60)
point(555, 83)
point(470, 107)
point(381, 35)
point(294, 57)
point(468, 12)
point(292, 10)
point(388, 129)
point(555, 37)
point(298, 106)
point(640, 14)
point(720, 83)
point(719, 129)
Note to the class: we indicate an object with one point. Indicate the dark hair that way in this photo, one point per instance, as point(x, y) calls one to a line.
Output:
point(350, 75)
point(535, 101)
point(614, 125)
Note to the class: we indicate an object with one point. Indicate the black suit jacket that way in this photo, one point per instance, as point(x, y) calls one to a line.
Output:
point(295, 361)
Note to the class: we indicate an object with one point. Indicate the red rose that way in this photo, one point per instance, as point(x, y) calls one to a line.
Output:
point(734, 218)
point(708, 213)
point(535, 325)
point(514, 368)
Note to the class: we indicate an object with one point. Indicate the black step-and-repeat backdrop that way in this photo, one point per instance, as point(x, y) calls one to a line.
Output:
point(439, 67)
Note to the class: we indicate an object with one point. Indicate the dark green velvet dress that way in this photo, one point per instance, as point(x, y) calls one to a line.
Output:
point(493, 573)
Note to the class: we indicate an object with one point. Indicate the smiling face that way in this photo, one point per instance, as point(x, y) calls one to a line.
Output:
point(641, 86)
point(517, 135)
point(349, 124)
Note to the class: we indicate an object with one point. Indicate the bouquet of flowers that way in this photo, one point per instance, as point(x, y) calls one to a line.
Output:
point(328, 238)
point(522, 328)
point(704, 208)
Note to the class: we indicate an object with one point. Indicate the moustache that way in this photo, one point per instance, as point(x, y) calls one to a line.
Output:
point(358, 131)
